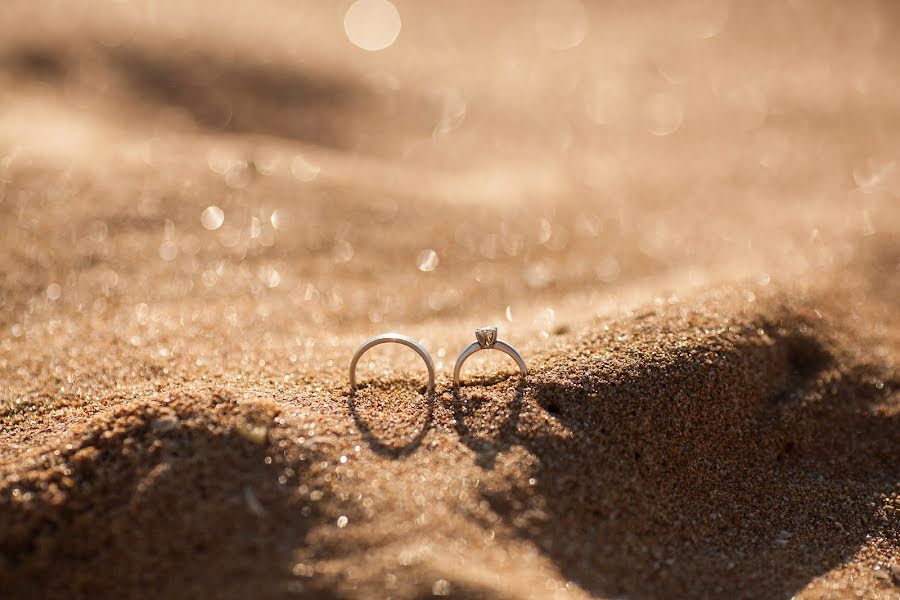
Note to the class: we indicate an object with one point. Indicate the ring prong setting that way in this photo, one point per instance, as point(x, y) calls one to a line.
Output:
point(486, 336)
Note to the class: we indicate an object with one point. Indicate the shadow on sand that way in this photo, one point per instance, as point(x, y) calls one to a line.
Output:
point(745, 477)
point(393, 446)
point(164, 507)
point(232, 93)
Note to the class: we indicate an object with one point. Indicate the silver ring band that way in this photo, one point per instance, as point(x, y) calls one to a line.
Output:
point(395, 338)
point(487, 340)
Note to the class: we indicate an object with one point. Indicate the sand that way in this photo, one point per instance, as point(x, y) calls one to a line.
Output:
point(685, 216)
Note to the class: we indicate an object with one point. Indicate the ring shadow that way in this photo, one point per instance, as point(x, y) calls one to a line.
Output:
point(641, 501)
point(487, 449)
point(375, 442)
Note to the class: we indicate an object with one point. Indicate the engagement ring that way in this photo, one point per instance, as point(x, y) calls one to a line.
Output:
point(486, 339)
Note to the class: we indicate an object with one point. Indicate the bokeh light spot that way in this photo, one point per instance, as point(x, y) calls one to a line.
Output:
point(212, 217)
point(277, 219)
point(168, 251)
point(372, 24)
point(427, 260)
point(54, 291)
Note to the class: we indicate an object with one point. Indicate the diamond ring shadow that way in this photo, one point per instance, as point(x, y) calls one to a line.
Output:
point(469, 417)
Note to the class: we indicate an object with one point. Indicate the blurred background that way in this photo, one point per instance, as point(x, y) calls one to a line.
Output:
point(173, 166)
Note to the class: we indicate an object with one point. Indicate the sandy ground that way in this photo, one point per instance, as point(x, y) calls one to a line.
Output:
point(684, 215)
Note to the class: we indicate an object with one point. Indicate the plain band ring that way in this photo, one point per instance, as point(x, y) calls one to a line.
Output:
point(395, 338)
point(486, 339)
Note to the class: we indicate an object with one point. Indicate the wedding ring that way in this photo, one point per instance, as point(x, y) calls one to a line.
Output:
point(486, 339)
point(395, 338)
